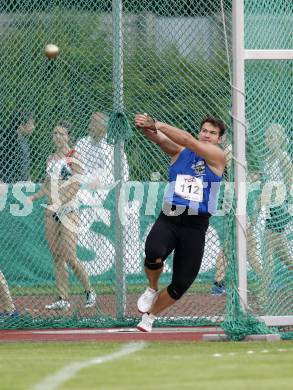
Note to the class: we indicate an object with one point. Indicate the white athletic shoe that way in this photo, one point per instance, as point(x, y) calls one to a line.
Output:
point(61, 304)
point(91, 297)
point(146, 323)
point(147, 299)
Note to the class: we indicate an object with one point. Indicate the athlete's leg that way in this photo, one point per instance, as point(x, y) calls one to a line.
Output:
point(69, 236)
point(221, 266)
point(254, 255)
point(56, 246)
point(186, 264)
point(5, 296)
point(159, 244)
point(280, 246)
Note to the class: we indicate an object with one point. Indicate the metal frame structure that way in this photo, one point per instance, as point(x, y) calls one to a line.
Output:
point(240, 55)
point(118, 107)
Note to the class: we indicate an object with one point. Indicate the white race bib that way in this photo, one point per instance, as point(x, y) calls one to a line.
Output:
point(189, 187)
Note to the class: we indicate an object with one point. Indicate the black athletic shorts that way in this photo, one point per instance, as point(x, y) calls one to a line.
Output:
point(185, 235)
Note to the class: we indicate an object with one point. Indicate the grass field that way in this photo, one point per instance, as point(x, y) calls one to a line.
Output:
point(154, 366)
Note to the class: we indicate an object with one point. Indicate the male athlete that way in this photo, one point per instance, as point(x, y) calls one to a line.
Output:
point(195, 174)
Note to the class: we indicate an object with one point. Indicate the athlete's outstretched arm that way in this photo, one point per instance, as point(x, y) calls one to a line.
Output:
point(211, 153)
point(163, 141)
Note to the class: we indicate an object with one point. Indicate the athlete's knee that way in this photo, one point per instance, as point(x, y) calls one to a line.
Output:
point(154, 256)
point(153, 264)
point(177, 290)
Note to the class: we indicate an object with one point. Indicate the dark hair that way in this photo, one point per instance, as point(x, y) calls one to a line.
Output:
point(215, 122)
point(68, 127)
point(20, 118)
point(64, 124)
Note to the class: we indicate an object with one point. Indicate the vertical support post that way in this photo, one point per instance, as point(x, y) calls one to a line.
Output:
point(118, 106)
point(239, 130)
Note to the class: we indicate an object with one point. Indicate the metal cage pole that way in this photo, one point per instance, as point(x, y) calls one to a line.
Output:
point(118, 103)
point(118, 106)
point(239, 140)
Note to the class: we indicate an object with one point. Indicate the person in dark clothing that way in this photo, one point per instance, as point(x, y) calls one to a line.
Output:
point(15, 148)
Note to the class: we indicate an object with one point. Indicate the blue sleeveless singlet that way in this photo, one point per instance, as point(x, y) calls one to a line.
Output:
point(193, 184)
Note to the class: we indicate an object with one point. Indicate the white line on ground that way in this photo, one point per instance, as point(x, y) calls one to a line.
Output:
point(250, 352)
point(52, 382)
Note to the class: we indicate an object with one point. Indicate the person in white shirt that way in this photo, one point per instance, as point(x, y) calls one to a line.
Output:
point(97, 155)
point(254, 256)
point(97, 158)
point(277, 173)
